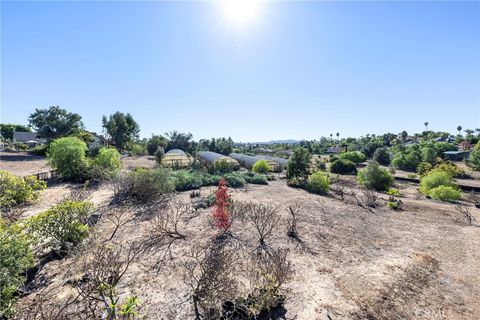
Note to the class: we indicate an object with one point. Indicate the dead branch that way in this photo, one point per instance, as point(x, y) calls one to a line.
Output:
point(208, 273)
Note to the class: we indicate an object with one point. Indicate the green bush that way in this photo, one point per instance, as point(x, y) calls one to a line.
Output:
point(298, 163)
point(429, 155)
point(21, 146)
point(332, 158)
point(15, 191)
point(15, 259)
point(393, 192)
point(423, 168)
point(354, 156)
point(445, 193)
point(473, 160)
point(94, 150)
point(297, 182)
point(63, 225)
point(382, 156)
point(407, 159)
point(393, 205)
point(235, 180)
point(159, 153)
point(374, 177)
point(261, 166)
point(254, 178)
point(318, 182)
point(321, 165)
point(187, 180)
point(67, 156)
point(343, 166)
point(137, 149)
point(223, 166)
point(148, 185)
point(108, 159)
point(451, 169)
point(40, 150)
point(434, 179)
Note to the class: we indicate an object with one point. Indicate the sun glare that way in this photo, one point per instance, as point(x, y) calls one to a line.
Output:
point(240, 13)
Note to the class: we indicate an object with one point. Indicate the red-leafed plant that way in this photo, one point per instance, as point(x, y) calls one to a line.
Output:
point(221, 213)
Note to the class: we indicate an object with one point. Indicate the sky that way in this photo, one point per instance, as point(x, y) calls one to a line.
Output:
point(285, 70)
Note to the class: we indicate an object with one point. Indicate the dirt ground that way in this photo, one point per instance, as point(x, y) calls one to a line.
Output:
point(422, 262)
point(24, 164)
point(419, 263)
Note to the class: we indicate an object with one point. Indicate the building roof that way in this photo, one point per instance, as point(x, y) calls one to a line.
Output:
point(456, 152)
point(176, 152)
point(211, 157)
point(281, 161)
point(26, 137)
point(244, 159)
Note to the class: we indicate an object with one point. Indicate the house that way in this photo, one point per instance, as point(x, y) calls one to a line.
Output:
point(456, 155)
point(29, 138)
point(98, 140)
point(336, 149)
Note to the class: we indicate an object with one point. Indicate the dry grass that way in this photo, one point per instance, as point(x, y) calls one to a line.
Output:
point(418, 263)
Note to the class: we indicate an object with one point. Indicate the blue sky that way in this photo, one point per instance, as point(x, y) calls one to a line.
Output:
point(299, 70)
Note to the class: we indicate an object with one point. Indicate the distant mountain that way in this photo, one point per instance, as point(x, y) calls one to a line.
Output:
point(287, 141)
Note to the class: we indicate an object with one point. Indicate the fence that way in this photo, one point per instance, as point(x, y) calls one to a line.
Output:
point(47, 175)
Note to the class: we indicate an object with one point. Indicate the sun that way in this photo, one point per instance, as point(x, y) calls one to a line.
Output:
point(240, 13)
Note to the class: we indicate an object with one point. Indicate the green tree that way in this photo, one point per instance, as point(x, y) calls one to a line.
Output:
point(404, 136)
point(121, 129)
point(298, 163)
point(155, 142)
point(67, 156)
point(426, 125)
point(179, 140)
point(55, 122)
point(474, 160)
point(459, 129)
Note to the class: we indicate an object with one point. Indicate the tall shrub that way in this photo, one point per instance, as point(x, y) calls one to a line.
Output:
point(318, 182)
point(68, 156)
point(298, 163)
point(221, 213)
point(474, 160)
point(108, 159)
point(354, 156)
point(374, 177)
point(382, 156)
point(343, 166)
point(433, 179)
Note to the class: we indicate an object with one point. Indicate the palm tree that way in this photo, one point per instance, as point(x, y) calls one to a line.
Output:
point(331, 136)
point(426, 125)
point(459, 129)
point(404, 136)
point(338, 135)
